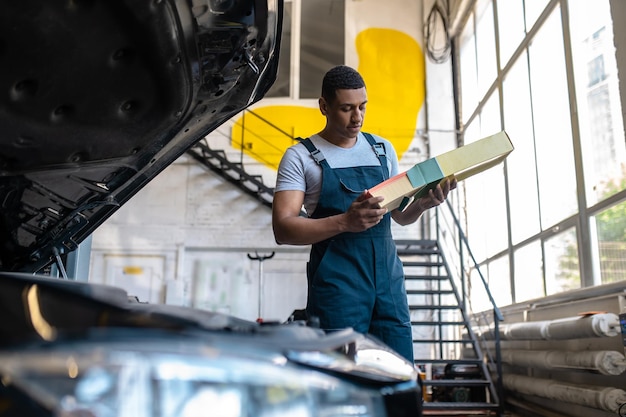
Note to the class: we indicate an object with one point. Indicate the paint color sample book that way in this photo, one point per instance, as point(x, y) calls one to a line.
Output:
point(463, 162)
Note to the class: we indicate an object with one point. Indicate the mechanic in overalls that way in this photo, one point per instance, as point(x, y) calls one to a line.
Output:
point(355, 277)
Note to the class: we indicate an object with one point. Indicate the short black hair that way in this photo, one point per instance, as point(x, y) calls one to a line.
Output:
point(341, 77)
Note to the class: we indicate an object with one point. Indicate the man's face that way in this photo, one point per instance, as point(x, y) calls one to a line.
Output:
point(345, 114)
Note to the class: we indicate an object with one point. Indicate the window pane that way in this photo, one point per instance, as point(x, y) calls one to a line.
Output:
point(478, 299)
point(476, 193)
point(322, 44)
point(496, 275)
point(490, 116)
point(486, 209)
point(552, 122)
point(469, 79)
point(499, 282)
point(599, 109)
point(528, 274)
point(533, 9)
point(485, 47)
point(561, 260)
point(486, 190)
point(611, 234)
point(280, 88)
point(521, 167)
point(510, 27)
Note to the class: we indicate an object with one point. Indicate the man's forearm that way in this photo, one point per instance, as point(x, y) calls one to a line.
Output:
point(410, 215)
point(306, 231)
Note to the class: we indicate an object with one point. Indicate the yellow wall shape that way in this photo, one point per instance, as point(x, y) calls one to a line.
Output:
point(392, 64)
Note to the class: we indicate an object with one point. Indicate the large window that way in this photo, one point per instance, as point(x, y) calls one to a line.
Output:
point(281, 87)
point(551, 122)
point(561, 194)
point(322, 42)
point(521, 164)
point(609, 233)
point(600, 116)
point(318, 28)
point(561, 262)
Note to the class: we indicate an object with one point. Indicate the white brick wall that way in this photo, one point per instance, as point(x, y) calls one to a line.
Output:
point(200, 225)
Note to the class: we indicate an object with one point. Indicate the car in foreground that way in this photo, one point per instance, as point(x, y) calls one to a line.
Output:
point(99, 96)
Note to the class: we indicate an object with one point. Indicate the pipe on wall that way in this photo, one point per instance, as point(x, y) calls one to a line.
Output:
point(604, 361)
point(602, 398)
point(578, 327)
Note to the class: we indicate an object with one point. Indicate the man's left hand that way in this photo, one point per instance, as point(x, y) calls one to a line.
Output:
point(437, 195)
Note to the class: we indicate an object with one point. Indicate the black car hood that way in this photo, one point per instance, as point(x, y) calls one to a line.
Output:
point(30, 303)
point(99, 96)
point(40, 312)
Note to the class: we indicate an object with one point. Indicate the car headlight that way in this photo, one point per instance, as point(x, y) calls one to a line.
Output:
point(108, 382)
point(362, 356)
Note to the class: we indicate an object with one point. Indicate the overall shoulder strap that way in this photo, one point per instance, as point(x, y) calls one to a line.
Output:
point(379, 150)
point(317, 155)
point(379, 147)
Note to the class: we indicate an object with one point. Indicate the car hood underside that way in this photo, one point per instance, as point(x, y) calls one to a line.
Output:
point(100, 96)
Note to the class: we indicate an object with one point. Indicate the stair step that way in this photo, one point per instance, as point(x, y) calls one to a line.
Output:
point(254, 178)
point(423, 243)
point(422, 263)
point(417, 251)
point(467, 361)
point(437, 323)
point(426, 277)
point(456, 382)
point(443, 341)
point(458, 406)
point(429, 292)
point(433, 307)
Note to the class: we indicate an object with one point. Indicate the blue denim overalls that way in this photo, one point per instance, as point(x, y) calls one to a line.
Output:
point(356, 279)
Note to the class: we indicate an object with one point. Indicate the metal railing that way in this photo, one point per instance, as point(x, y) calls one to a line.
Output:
point(265, 141)
point(464, 267)
point(238, 170)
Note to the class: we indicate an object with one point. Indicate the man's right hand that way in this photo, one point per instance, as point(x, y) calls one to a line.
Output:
point(291, 228)
point(364, 213)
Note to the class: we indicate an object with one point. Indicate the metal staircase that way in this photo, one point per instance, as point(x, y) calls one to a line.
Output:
point(458, 380)
point(233, 172)
point(218, 161)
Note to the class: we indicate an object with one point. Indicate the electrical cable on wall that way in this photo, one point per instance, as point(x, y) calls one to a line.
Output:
point(437, 25)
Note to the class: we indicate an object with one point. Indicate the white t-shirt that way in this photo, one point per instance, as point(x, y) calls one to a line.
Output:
point(298, 171)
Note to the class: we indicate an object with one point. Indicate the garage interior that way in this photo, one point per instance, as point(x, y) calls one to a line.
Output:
point(516, 284)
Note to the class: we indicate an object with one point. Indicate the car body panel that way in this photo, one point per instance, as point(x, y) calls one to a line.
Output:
point(50, 323)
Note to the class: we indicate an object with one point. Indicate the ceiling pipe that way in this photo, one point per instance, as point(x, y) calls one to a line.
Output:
point(602, 398)
point(578, 327)
point(605, 362)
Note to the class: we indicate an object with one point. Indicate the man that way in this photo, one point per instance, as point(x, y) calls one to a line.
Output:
point(355, 277)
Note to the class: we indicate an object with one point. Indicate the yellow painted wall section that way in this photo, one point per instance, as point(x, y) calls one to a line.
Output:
point(392, 64)
point(264, 142)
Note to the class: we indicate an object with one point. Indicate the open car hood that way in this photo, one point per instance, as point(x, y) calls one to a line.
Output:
point(99, 96)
